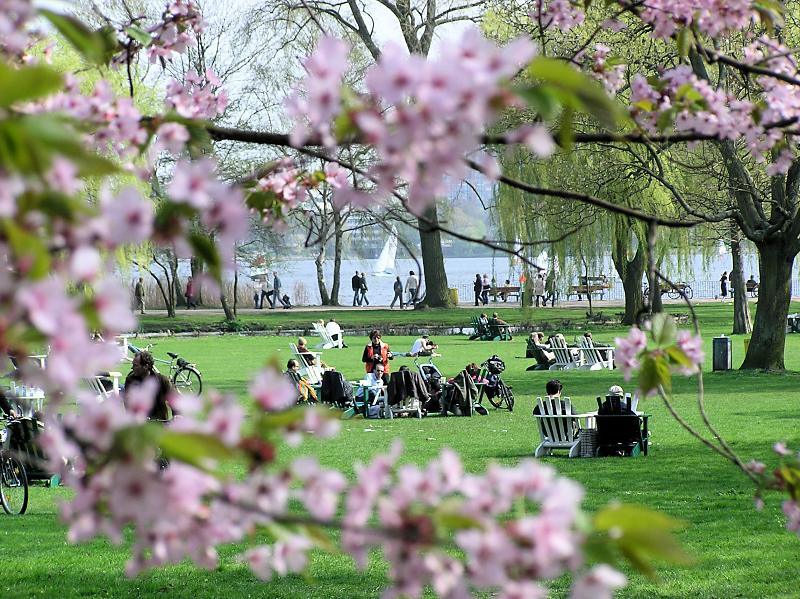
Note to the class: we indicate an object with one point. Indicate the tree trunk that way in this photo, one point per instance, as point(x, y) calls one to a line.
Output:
point(167, 290)
point(180, 300)
point(436, 293)
point(774, 293)
point(236, 293)
point(741, 311)
point(319, 264)
point(229, 315)
point(338, 242)
point(630, 273)
point(197, 271)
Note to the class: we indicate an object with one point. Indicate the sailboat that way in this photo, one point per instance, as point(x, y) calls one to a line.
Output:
point(384, 267)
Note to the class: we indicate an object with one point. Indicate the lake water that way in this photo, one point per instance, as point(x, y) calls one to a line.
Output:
point(299, 276)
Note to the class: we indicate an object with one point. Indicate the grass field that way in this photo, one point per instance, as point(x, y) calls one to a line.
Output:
point(739, 552)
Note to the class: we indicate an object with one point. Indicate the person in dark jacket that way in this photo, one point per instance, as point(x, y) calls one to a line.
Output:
point(477, 287)
point(363, 299)
point(142, 369)
point(355, 282)
point(398, 293)
point(723, 285)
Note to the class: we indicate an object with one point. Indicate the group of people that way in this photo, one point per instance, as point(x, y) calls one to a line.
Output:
point(272, 292)
point(750, 285)
point(544, 289)
point(411, 289)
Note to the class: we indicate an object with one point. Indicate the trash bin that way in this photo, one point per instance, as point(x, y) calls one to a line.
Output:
point(746, 345)
point(721, 349)
point(453, 295)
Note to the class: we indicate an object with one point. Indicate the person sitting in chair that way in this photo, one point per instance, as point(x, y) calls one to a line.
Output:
point(553, 390)
point(306, 392)
point(497, 321)
point(423, 346)
point(143, 369)
point(307, 354)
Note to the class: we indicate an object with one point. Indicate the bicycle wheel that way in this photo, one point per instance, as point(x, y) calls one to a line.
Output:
point(13, 485)
point(188, 380)
point(673, 294)
point(509, 398)
point(688, 292)
point(497, 398)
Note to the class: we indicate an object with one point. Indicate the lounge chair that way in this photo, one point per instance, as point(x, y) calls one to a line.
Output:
point(592, 356)
point(311, 372)
point(564, 358)
point(620, 431)
point(558, 426)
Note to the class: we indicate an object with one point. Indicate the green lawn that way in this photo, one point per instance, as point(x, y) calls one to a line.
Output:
point(740, 552)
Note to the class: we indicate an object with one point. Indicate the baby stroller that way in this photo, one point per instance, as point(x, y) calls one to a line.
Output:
point(434, 381)
point(497, 392)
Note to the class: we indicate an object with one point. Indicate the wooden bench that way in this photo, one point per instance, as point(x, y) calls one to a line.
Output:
point(589, 285)
point(506, 291)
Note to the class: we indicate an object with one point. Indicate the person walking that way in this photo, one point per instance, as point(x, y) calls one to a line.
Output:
point(355, 283)
point(277, 294)
point(412, 286)
point(485, 287)
point(363, 299)
point(189, 293)
point(550, 288)
point(266, 292)
point(398, 293)
point(538, 290)
point(723, 285)
point(138, 294)
point(477, 287)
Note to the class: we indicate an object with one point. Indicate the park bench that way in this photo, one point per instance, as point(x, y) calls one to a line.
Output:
point(589, 285)
point(507, 291)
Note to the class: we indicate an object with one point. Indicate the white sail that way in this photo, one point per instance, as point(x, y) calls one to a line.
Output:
point(385, 262)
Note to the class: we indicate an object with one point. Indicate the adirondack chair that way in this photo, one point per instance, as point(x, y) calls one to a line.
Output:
point(99, 385)
point(564, 358)
point(620, 430)
point(481, 330)
point(593, 357)
point(311, 372)
point(326, 341)
point(558, 426)
point(499, 332)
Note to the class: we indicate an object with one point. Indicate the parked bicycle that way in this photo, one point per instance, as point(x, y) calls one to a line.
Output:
point(496, 391)
point(13, 477)
point(184, 375)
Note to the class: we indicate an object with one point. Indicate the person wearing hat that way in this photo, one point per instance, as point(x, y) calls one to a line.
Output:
point(423, 346)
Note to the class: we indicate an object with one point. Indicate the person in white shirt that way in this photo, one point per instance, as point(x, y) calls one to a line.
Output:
point(335, 332)
point(423, 347)
point(412, 286)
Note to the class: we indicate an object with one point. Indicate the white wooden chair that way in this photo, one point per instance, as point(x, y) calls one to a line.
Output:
point(558, 427)
point(311, 372)
point(98, 388)
point(593, 357)
point(564, 357)
point(326, 342)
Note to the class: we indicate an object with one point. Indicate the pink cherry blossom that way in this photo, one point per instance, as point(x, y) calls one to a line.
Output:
point(127, 218)
point(692, 346)
point(85, 264)
point(272, 391)
point(626, 356)
point(599, 583)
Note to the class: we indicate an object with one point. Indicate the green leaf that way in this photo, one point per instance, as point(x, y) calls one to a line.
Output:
point(663, 329)
point(566, 129)
point(197, 449)
point(205, 249)
point(542, 98)
point(140, 35)
point(30, 250)
point(270, 421)
point(27, 83)
point(653, 373)
point(687, 91)
point(586, 92)
point(96, 46)
point(678, 357)
point(641, 535)
point(319, 537)
point(449, 517)
point(684, 41)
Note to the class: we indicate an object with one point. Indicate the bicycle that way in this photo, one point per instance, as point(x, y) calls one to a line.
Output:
point(13, 480)
point(495, 389)
point(185, 376)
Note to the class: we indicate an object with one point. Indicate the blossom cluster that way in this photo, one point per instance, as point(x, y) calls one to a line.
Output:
point(632, 351)
point(712, 17)
point(174, 34)
point(290, 184)
point(560, 14)
point(197, 97)
point(421, 117)
point(698, 107)
point(14, 18)
point(612, 76)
